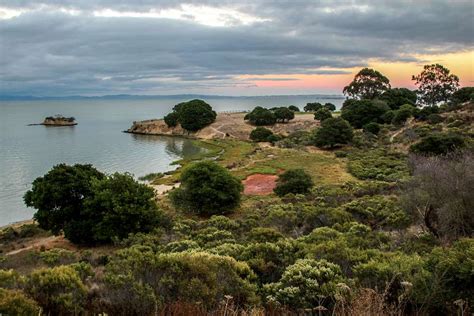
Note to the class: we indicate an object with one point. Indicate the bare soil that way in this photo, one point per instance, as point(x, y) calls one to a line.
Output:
point(259, 184)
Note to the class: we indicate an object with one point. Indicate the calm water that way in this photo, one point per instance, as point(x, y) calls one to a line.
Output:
point(27, 152)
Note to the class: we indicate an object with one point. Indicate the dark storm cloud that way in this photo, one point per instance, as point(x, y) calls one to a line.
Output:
point(49, 52)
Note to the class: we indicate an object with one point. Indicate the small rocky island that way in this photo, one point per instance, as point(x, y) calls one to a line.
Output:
point(58, 120)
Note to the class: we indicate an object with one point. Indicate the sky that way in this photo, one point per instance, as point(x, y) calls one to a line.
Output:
point(223, 47)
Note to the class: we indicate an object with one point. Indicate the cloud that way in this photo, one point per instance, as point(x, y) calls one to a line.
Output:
point(102, 47)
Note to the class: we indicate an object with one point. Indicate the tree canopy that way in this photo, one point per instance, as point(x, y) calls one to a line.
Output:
point(206, 189)
point(333, 131)
point(261, 134)
point(361, 112)
point(438, 144)
point(192, 115)
point(435, 84)
point(261, 116)
point(322, 114)
point(283, 114)
point(312, 107)
point(367, 84)
point(397, 97)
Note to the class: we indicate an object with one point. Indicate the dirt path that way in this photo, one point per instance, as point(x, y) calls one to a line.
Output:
point(47, 242)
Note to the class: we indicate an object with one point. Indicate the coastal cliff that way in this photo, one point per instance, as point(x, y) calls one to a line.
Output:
point(227, 125)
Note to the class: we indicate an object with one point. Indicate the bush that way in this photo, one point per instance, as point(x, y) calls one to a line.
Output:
point(422, 114)
point(91, 207)
point(333, 131)
point(361, 112)
point(261, 116)
point(462, 95)
point(312, 107)
point(402, 114)
point(294, 108)
point(372, 127)
point(260, 134)
point(14, 302)
point(322, 114)
point(171, 119)
point(57, 290)
point(438, 144)
point(283, 114)
point(295, 181)
point(434, 118)
point(378, 165)
point(387, 117)
point(188, 277)
point(303, 282)
point(207, 189)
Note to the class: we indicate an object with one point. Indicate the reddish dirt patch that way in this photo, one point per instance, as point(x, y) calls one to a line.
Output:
point(259, 184)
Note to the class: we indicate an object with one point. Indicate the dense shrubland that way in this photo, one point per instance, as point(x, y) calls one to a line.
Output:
point(395, 236)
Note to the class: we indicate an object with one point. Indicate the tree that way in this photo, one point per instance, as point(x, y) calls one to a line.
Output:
point(120, 206)
point(333, 131)
point(261, 116)
point(462, 95)
point(322, 114)
point(294, 108)
point(171, 119)
point(195, 114)
point(303, 282)
point(90, 207)
point(59, 195)
point(283, 114)
point(295, 181)
point(207, 189)
point(361, 112)
point(260, 134)
point(331, 107)
point(438, 144)
point(312, 107)
point(397, 97)
point(435, 84)
point(367, 84)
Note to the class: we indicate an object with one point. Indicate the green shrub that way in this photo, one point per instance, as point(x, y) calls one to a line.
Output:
point(57, 256)
point(329, 106)
point(295, 181)
point(423, 113)
point(361, 112)
point(462, 95)
point(207, 189)
point(372, 127)
point(312, 107)
point(57, 290)
point(438, 144)
point(260, 134)
point(378, 164)
point(188, 277)
point(403, 114)
point(434, 118)
point(397, 97)
point(322, 114)
point(302, 283)
point(15, 302)
point(294, 108)
point(333, 132)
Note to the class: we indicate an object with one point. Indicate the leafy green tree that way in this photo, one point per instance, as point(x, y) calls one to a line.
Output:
point(15, 302)
point(294, 108)
point(90, 207)
point(462, 95)
point(171, 119)
point(397, 97)
point(295, 181)
point(423, 113)
point(312, 107)
point(361, 112)
point(120, 206)
point(260, 134)
point(194, 115)
point(367, 84)
point(261, 116)
point(333, 131)
point(372, 127)
point(188, 277)
point(59, 195)
point(207, 189)
point(304, 281)
point(58, 290)
point(283, 114)
point(322, 114)
point(435, 84)
point(331, 107)
point(438, 144)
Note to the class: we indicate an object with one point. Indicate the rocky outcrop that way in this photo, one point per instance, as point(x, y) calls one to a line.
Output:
point(59, 121)
point(227, 125)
